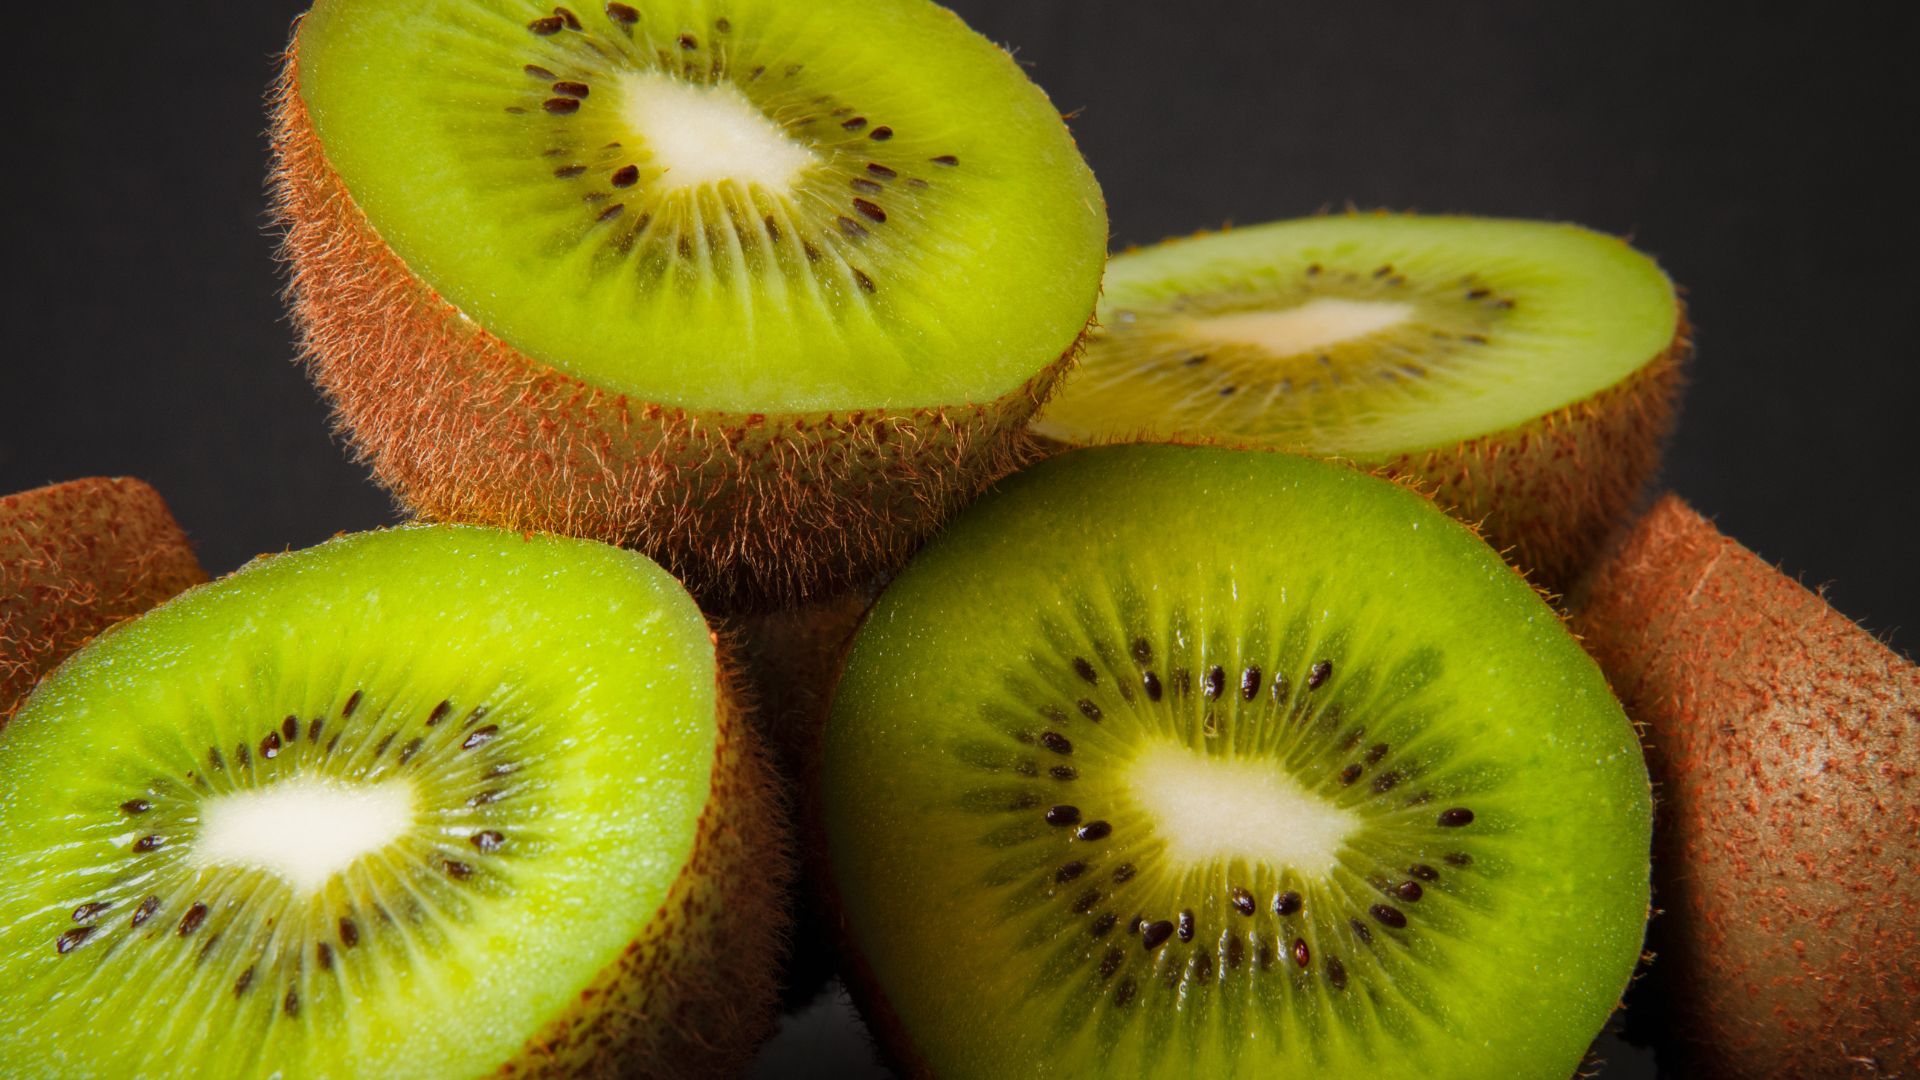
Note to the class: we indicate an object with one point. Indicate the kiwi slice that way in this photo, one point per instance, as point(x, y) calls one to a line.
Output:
point(1182, 761)
point(440, 801)
point(75, 558)
point(1525, 372)
point(1782, 736)
point(763, 288)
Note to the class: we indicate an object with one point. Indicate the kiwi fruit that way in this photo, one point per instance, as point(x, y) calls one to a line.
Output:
point(763, 289)
point(1782, 738)
point(1186, 761)
point(438, 801)
point(75, 558)
point(1525, 373)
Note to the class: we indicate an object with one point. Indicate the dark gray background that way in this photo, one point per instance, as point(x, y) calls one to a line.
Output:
point(1757, 158)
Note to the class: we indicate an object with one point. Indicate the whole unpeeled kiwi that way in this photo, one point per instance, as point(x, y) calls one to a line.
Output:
point(1783, 740)
point(75, 558)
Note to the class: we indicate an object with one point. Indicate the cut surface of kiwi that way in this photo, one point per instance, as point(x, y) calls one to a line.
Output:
point(430, 802)
point(1782, 736)
point(75, 558)
point(1178, 761)
point(1526, 369)
point(751, 284)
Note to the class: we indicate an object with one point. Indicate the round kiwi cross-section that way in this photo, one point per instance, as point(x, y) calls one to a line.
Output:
point(1178, 761)
point(763, 288)
point(1525, 371)
point(434, 802)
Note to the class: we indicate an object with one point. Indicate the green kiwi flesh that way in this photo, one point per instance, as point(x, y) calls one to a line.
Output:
point(393, 806)
point(753, 206)
point(1181, 761)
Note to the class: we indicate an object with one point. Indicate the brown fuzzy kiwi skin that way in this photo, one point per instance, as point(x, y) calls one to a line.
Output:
point(1550, 493)
point(1785, 741)
point(695, 995)
point(749, 511)
point(792, 659)
point(76, 558)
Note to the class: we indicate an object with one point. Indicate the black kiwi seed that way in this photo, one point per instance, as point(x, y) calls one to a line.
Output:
point(380, 748)
point(1319, 673)
point(1349, 774)
point(1142, 651)
point(1250, 683)
point(1056, 742)
point(438, 714)
point(572, 20)
point(1124, 994)
point(572, 89)
point(144, 912)
point(458, 870)
point(291, 1003)
point(1287, 903)
point(1090, 710)
point(1410, 891)
point(1151, 683)
point(568, 172)
point(1459, 858)
point(191, 921)
point(622, 14)
point(867, 187)
point(412, 748)
point(1085, 670)
point(1216, 682)
point(1279, 688)
point(1387, 915)
point(1063, 815)
point(1424, 872)
point(1243, 901)
point(1110, 963)
point(688, 42)
point(1155, 934)
point(1375, 753)
point(1456, 817)
point(147, 843)
point(353, 702)
point(854, 123)
point(349, 933)
point(1361, 930)
point(477, 737)
point(290, 728)
point(1300, 954)
point(861, 279)
point(323, 955)
point(1103, 925)
point(487, 840)
point(72, 939)
point(1385, 781)
point(245, 980)
point(1336, 973)
point(1122, 873)
point(881, 171)
point(561, 106)
point(242, 756)
point(1093, 830)
point(313, 730)
point(1186, 925)
point(547, 26)
point(1069, 871)
point(1236, 951)
point(945, 159)
point(86, 912)
point(1087, 902)
point(1063, 772)
point(135, 806)
point(270, 746)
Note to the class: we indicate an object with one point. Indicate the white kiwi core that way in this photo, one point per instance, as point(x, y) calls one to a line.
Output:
point(1209, 808)
point(1317, 324)
point(304, 829)
point(710, 134)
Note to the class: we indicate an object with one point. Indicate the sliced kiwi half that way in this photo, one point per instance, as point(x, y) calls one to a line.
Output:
point(765, 289)
point(1525, 372)
point(440, 801)
point(1182, 761)
point(1782, 736)
point(75, 558)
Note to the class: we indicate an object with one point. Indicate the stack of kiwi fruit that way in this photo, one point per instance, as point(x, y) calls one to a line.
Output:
point(1260, 654)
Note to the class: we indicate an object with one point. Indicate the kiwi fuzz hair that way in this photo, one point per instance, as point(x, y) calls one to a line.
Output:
point(697, 995)
point(1781, 737)
point(1551, 493)
point(747, 510)
point(75, 558)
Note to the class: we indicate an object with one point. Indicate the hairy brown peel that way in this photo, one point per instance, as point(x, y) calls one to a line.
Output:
point(75, 558)
point(695, 996)
point(1785, 741)
point(1551, 493)
point(747, 510)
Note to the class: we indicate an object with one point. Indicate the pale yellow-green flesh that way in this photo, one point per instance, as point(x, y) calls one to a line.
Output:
point(285, 728)
point(1362, 336)
point(732, 268)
